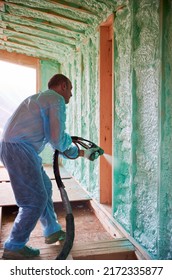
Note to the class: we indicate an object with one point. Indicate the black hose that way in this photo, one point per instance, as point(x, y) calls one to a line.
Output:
point(70, 227)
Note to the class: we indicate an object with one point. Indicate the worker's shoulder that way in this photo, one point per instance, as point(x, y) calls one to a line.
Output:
point(50, 96)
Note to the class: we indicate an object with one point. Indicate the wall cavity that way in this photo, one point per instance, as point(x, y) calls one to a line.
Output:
point(165, 187)
point(83, 110)
point(146, 67)
point(142, 133)
point(47, 70)
point(123, 118)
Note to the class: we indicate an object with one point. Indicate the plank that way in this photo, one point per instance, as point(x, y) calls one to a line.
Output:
point(110, 250)
point(74, 190)
point(117, 249)
point(4, 177)
point(63, 172)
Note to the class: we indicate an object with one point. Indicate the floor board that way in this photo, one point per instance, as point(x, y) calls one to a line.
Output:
point(92, 241)
point(73, 189)
point(4, 177)
point(87, 228)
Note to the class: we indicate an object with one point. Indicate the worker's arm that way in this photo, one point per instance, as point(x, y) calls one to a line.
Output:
point(58, 137)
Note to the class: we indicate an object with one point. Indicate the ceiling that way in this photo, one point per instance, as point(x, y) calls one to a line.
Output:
point(50, 29)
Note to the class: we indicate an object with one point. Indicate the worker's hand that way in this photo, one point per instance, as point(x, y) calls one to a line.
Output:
point(91, 154)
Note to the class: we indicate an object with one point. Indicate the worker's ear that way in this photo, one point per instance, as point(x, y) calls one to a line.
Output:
point(64, 86)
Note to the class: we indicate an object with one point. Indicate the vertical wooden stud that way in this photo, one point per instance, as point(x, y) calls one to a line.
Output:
point(106, 91)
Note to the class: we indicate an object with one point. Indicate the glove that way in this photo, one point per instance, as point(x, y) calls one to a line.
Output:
point(92, 153)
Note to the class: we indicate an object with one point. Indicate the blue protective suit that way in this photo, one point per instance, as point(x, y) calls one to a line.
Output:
point(39, 119)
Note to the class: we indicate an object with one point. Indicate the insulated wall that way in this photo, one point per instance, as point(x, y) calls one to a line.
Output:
point(83, 109)
point(47, 70)
point(165, 178)
point(142, 132)
point(142, 170)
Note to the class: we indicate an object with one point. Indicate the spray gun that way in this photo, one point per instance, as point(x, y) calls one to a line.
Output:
point(87, 144)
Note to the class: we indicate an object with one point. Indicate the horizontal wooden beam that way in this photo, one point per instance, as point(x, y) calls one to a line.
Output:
point(31, 51)
point(22, 60)
point(53, 5)
point(54, 29)
point(39, 41)
point(35, 32)
point(80, 10)
point(45, 16)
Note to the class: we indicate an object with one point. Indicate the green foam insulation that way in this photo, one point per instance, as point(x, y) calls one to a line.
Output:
point(142, 189)
point(136, 126)
point(47, 70)
point(142, 132)
point(83, 110)
point(165, 176)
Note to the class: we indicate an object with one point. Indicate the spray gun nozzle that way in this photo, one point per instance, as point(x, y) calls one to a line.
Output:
point(88, 145)
point(97, 153)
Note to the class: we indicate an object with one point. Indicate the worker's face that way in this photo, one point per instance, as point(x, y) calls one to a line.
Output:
point(67, 91)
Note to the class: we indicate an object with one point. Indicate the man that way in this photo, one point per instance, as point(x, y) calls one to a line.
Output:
point(39, 119)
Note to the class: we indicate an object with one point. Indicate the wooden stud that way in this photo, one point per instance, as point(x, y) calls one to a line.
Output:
point(106, 89)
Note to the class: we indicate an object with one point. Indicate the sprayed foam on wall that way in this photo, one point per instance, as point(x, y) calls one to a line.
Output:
point(165, 176)
point(142, 134)
point(142, 187)
point(47, 70)
point(83, 110)
point(136, 125)
point(146, 62)
point(123, 118)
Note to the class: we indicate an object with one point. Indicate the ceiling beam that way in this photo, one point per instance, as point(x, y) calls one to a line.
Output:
point(32, 51)
point(29, 40)
point(54, 29)
point(79, 10)
point(94, 6)
point(19, 59)
point(56, 6)
point(49, 17)
point(35, 32)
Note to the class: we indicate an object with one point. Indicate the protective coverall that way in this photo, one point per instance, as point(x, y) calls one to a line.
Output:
point(39, 119)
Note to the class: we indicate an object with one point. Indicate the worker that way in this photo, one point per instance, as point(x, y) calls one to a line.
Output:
point(39, 119)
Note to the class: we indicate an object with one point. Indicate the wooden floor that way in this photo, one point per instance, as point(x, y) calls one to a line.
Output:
point(74, 191)
point(92, 240)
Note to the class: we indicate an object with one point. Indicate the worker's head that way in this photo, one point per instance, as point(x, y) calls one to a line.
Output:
point(62, 85)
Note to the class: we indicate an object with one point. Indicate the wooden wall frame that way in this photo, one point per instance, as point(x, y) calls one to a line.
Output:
point(106, 108)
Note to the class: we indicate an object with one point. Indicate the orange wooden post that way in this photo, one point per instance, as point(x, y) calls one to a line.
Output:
point(106, 89)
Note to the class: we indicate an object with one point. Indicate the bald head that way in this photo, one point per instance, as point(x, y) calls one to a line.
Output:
point(57, 79)
point(62, 85)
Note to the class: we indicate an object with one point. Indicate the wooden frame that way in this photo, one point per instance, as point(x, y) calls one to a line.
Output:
point(106, 101)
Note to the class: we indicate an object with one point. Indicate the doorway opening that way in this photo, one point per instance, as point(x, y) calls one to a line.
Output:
point(106, 109)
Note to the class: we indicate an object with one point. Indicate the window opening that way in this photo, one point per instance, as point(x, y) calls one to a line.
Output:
point(17, 83)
